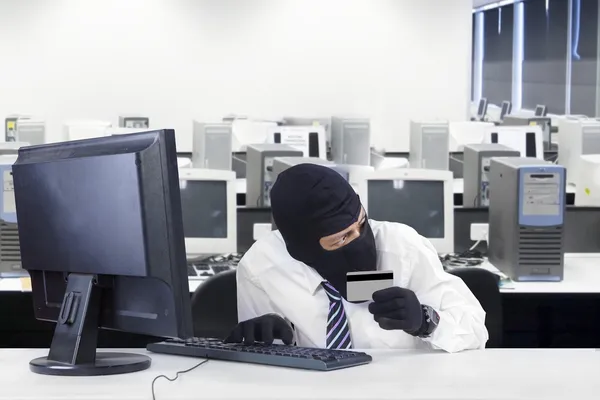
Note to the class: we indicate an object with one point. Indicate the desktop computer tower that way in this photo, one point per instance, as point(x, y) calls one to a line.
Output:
point(10, 128)
point(429, 145)
point(10, 253)
point(526, 218)
point(260, 176)
point(132, 121)
point(476, 171)
point(212, 145)
point(351, 141)
point(281, 164)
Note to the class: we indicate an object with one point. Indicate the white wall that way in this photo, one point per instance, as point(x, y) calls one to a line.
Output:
point(174, 60)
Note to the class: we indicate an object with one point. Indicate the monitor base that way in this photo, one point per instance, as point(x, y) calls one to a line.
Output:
point(105, 364)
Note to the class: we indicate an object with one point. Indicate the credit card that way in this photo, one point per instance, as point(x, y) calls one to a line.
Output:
point(360, 286)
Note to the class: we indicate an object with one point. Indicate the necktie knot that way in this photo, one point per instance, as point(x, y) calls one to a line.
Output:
point(332, 292)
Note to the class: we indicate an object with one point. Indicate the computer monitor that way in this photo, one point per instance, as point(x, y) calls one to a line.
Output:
point(577, 137)
point(310, 140)
point(134, 122)
point(420, 198)
point(541, 110)
point(208, 205)
point(587, 181)
point(77, 130)
point(505, 109)
point(528, 140)
point(112, 131)
point(101, 235)
point(482, 108)
point(467, 132)
point(325, 122)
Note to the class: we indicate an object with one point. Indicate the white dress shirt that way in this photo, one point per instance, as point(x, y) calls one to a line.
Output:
point(269, 280)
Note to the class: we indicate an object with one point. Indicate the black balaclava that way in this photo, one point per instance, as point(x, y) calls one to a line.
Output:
point(311, 201)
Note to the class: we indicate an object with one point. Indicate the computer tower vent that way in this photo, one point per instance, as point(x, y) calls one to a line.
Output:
point(540, 246)
point(9, 243)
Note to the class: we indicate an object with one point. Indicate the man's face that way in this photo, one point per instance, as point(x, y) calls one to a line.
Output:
point(346, 236)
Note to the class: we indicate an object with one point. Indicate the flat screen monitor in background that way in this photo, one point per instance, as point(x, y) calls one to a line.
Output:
point(420, 198)
point(541, 110)
point(101, 235)
point(505, 110)
point(208, 205)
point(482, 108)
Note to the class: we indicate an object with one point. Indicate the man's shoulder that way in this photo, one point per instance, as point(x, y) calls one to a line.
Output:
point(395, 237)
point(265, 253)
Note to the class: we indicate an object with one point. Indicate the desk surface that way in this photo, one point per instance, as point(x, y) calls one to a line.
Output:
point(582, 275)
point(488, 374)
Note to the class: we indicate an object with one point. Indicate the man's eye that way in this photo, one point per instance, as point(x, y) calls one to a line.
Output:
point(342, 240)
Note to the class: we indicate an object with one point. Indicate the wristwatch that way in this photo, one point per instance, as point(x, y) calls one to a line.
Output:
point(431, 319)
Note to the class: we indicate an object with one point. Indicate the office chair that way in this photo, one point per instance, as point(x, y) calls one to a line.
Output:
point(214, 306)
point(484, 286)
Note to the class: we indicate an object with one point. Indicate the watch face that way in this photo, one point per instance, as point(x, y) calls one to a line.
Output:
point(435, 317)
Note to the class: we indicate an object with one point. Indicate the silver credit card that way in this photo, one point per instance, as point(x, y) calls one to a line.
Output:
point(361, 285)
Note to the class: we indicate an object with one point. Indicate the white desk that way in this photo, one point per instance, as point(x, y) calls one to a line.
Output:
point(459, 183)
point(487, 374)
point(582, 275)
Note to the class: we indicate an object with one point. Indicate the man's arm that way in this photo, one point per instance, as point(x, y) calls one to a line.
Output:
point(256, 314)
point(462, 319)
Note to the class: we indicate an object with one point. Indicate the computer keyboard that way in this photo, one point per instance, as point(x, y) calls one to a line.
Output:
point(276, 355)
point(207, 267)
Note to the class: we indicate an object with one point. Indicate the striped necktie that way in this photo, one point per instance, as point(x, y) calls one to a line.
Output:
point(338, 331)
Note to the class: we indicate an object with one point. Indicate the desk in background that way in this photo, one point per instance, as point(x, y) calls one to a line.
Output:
point(565, 314)
point(487, 374)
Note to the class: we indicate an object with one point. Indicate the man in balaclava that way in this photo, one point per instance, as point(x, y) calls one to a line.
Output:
point(292, 283)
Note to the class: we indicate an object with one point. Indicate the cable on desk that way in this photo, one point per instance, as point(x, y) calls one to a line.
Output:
point(176, 376)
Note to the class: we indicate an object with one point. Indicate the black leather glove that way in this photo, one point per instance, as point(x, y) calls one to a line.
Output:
point(397, 308)
point(265, 329)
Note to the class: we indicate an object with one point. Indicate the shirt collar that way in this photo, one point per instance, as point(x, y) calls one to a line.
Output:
point(313, 279)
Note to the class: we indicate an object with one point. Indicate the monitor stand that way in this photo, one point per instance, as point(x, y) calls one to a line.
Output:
point(73, 349)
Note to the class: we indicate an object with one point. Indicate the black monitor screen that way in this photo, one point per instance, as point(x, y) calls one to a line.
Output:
point(204, 208)
point(418, 204)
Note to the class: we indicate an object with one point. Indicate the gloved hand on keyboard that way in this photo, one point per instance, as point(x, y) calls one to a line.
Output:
point(397, 308)
point(263, 329)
